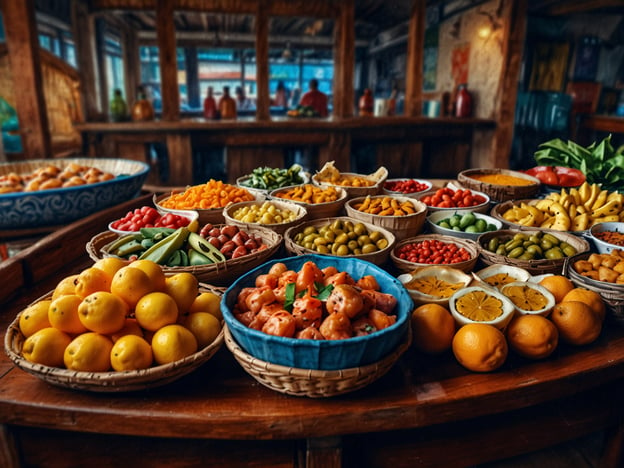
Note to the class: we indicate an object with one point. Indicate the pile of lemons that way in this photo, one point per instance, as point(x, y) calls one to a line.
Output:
point(121, 316)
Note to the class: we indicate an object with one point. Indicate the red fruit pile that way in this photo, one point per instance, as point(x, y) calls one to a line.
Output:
point(432, 252)
point(146, 217)
point(405, 186)
point(448, 198)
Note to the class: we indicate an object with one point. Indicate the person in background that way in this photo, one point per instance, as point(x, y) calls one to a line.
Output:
point(281, 95)
point(315, 99)
point(242, 102)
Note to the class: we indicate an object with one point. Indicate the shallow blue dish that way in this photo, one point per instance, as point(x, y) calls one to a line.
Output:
point(324, 354)
point(24, 210)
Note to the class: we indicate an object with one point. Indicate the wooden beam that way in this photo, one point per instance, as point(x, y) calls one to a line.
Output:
point(344, 60)
point(131, 60)
point(20, 27)
point(262, 62)
point(168, 60)
point(415, 54)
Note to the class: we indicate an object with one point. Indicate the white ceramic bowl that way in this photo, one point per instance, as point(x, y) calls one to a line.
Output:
point(434, 218)
point(601, 245)
point(387, 191)
point(500, 322)
point(550, 299)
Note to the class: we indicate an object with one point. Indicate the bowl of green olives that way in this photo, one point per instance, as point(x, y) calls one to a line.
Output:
point(462, 223)
point(340, 237)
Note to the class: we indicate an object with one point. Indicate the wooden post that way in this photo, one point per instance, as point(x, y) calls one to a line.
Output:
point(344, 59)
point(165, 30)
point(192, 77)
point(20, 27)
point(415, 54)
point(262, 62)
point(132, 64)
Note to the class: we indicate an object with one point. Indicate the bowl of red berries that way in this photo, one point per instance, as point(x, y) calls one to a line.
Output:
point(412, 188)
point(450, 199)
point(148, 217)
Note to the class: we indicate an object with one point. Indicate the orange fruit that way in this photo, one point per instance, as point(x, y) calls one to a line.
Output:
point(591, 298)
point(63, 314)
point(207, 302)
point(204, 326)
point(433, 328)
point(89, 352)
point(34, 317)
point(153, 270)
point(532, 336)
point(172, 343)
point(92, 280)
point(131, 284)
point(558, 285)
point(103, 312)
point(155, 310)
point(131, 327)
point(131, 352)
point(184, 288)
point(480, 347)
point(576, 321)
point(46, 347)
point(66, 286)
point(110, 265)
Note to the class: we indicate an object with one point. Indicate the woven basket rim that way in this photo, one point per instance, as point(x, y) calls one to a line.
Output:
point(331, 382)
point(110, 381)
point(602, 286)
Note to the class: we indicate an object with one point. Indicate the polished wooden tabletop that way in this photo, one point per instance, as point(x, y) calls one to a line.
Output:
point(221, 401)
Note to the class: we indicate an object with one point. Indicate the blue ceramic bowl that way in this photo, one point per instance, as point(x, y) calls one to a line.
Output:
point(322, 354)
point(24, 210)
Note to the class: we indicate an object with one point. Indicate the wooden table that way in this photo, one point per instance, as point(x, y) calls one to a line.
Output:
point(427, 411)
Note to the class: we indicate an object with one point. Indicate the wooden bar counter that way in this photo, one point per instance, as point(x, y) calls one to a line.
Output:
point(402, 144)
point(427, 411)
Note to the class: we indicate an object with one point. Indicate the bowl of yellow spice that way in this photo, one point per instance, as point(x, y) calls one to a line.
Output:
point(500, 184)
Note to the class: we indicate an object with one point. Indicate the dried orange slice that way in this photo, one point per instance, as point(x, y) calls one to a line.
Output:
point(481, 304)
point(500, 275)
point(434, 284)
point(529, 297)
point(434, 287)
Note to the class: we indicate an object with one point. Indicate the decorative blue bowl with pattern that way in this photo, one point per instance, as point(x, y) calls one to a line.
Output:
point(57, 206)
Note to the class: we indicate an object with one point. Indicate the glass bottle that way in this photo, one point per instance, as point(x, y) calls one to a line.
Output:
point(142, 109)
point(227, 105)
point(118, 107)
point(366, 103)
point(210, 105)
point(463, 106)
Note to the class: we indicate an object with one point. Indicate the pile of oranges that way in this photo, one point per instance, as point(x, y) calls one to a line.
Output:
point(576, 319)
point(121, 316)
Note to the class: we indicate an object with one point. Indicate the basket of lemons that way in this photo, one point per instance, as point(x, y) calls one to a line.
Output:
point(117, 326)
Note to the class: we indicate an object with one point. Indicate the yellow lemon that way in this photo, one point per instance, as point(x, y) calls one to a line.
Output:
point(131, 284)
point(207, 302)
point(184, 288)
point(110, 265)
point(172, 343)
point(131, 352)
point(89, 352)
point(46, 347)
point(34, 317)
point(153, 270)
point(66, 286)
point(103, 312)
point(92, 280)
point(131, 327)
point(155, 310)
point(63, 314)
point(204, 326)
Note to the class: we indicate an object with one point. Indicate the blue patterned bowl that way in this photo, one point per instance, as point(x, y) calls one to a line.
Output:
point(23, 210)
point(322, 354)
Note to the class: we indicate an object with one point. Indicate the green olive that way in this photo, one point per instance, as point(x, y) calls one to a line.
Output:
point(353, 244)
point(520, 236)
point(337, 224)
point(569, 251)
point(309, 238)
point(341, 239)
point(363, 240)
point(319, 240)
point(516, 252)
point(375, 236)
point(322, 249)
point(369, 248)
point(342, 250)
point(553, 253)
point(359, 229)
point(329, 235)
point(382, 243)
point(309, 230)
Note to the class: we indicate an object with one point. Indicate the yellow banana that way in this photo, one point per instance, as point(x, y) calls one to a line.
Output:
point(548, 222)
point(610, 208)
point(572, 210)
point(607, 219)
point(576, 195)
point(580, 209)
point(557, 209)
point(580, 222)
point(544, 204)
point(600, 199)
point(554, 196)
point(593, 194)
point(616, 196)
point(562, 223)
point(537, 215)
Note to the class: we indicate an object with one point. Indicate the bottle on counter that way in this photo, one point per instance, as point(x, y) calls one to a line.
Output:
point(210, 105)
point(392, 101)
point(367, 103)
point(142, 109)
point(227, 105)
point(463, 103)
point(118, 107)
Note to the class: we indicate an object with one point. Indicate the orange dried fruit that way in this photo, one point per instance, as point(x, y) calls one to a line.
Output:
point(479, 305)
point(525, 297)
point(434, 286)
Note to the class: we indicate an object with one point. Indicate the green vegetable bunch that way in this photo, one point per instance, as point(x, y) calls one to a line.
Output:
point(266, 178)
point(601, 163)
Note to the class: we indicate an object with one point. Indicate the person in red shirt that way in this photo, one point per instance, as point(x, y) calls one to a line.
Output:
point(316, 99)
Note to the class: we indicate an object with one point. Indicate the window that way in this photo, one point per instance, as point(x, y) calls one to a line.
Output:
point(150, 75)
point(114, 64)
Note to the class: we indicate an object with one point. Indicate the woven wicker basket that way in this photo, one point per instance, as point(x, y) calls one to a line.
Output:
point(497, 192)
point(612, 294)
point(220, 274)
point(378, 258)
point(535, 267)
point(108, 381)
point(401, 226)
point(378, 177)
point(316, 210)
point(300, 215)
point(309, 382)
point(467, 266)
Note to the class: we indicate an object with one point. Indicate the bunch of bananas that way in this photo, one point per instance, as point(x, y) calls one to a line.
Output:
point(570, 210)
